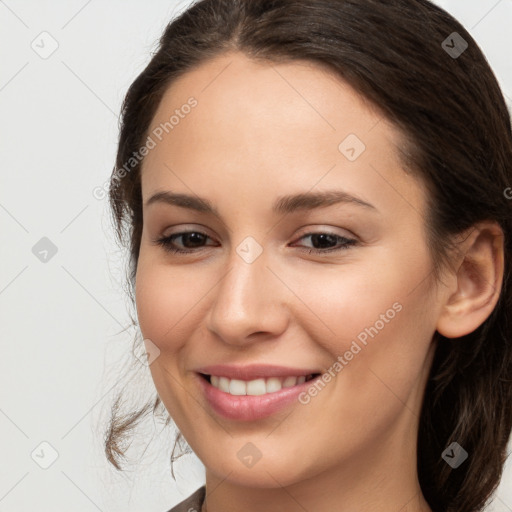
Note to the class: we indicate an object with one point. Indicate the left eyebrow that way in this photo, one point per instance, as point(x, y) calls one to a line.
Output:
point(313, 200)
point(283, 205)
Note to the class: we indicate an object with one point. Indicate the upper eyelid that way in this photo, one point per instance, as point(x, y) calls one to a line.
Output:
point(308, 232)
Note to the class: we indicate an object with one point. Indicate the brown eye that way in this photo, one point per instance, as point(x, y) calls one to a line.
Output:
point(334, 242)
point(191, 240)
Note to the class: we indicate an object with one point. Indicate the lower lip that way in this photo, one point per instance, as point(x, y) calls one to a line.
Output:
point(248, 407)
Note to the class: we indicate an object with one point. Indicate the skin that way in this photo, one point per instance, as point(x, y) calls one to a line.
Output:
point(258, 132)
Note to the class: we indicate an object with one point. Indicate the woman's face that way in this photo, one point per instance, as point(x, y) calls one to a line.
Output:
point(264, 145)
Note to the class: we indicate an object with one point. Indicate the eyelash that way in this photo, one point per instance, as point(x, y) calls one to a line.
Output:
point(167, 243)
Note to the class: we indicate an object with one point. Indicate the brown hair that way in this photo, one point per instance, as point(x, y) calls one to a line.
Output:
point(454, 117)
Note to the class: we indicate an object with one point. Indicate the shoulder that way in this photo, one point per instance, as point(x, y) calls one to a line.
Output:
point(193, 503)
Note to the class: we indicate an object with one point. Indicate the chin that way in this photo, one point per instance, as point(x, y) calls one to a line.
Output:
point(261, 476)
point(282, 467)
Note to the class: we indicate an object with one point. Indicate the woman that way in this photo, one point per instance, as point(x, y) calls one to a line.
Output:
point(314, 195)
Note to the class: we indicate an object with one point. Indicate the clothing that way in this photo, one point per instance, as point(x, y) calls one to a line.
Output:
point(193, 503)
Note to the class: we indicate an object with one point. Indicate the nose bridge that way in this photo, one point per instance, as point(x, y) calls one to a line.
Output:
point(249, 297)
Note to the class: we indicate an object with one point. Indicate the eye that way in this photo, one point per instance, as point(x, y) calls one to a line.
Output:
point(323, 238)
point(195, 239)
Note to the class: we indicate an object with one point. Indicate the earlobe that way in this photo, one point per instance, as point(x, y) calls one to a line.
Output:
point(478, 281)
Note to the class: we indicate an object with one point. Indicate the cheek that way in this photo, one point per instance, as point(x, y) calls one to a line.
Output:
point(383, 337)
point(166, 303)
point(347, 299)
point(379, 318)
point(163, 298)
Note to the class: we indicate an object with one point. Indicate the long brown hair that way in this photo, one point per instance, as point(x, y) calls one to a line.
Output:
point(438, 89)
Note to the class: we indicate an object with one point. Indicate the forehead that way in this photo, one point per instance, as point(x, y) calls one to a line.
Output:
point(284, 125)
point(259, 95)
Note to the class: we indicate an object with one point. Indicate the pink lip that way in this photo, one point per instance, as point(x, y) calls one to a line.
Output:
point(247, 407)
point(254, 371)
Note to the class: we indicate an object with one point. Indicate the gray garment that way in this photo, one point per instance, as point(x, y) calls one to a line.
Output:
point(193, 503)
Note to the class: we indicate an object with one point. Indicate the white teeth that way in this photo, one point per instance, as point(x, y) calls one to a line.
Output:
point(289, 382)
point(254, 387)
point(237, 387)
point(223, 384)
point(273, 385)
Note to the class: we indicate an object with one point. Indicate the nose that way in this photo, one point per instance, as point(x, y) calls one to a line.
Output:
point(249, 303)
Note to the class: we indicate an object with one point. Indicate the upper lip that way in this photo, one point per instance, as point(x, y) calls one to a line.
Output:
point(254, 371)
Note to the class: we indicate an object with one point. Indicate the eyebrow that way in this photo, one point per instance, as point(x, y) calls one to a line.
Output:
point(304, 201)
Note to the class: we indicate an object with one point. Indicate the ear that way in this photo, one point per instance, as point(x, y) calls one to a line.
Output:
point(475, 283)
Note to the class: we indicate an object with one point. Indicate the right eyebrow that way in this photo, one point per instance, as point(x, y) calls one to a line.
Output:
point(197, 203)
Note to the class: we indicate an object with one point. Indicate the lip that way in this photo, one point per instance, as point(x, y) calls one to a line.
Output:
point(249, 407)
point(255, 371)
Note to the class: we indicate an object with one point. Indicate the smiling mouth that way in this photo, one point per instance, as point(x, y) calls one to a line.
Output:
point(256, 387)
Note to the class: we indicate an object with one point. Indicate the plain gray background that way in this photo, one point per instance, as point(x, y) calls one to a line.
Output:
point(65, 69)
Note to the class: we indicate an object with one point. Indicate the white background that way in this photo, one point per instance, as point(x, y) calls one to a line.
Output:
point(61, 322)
